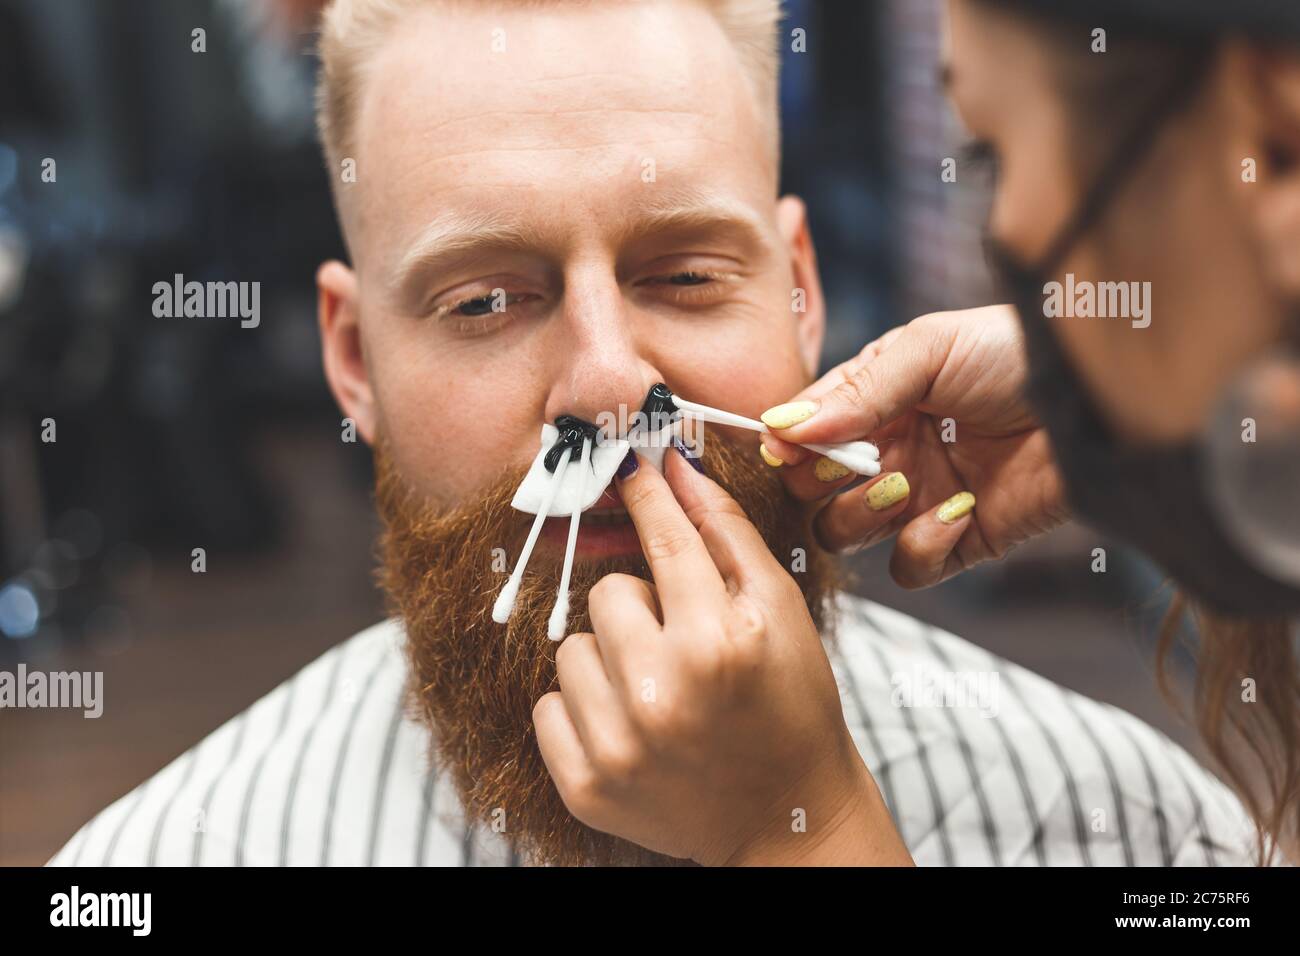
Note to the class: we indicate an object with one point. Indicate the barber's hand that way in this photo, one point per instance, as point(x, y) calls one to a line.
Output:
point(702, 715)
point(955, 372)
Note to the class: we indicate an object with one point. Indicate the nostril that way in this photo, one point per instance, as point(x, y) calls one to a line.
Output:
point(657, 412)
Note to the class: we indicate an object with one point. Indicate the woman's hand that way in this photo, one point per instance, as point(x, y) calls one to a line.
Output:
point(702, 719)
point(942, 398)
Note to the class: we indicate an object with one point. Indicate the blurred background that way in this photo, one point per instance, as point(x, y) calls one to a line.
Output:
point(171, 435)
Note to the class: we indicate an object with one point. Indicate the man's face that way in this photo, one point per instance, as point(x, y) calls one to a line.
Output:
point(621, 198)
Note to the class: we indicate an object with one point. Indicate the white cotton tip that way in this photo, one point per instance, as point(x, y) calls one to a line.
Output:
point(559, 621)
point(505, 603)
point(860, 457)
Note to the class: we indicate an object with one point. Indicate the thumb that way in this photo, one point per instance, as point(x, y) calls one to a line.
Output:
point(873, 389)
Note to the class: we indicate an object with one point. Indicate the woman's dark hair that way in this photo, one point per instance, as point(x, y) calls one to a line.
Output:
point(1254, 738)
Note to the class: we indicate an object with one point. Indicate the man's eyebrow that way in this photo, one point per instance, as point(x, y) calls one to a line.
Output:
point(454, 236)
point(696, 212)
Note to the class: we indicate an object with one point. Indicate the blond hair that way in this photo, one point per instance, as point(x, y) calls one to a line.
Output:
point(352, 30)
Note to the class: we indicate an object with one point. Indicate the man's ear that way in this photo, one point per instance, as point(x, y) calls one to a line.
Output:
point(806, 302)
point(338, 314)
point(1272, 97)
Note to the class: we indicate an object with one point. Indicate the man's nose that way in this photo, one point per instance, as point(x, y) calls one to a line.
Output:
point(604, 370)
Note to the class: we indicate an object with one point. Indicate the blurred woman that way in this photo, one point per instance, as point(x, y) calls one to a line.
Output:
point(1146, 224)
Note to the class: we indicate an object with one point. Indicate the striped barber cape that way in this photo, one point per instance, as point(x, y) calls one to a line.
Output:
point(980, 761)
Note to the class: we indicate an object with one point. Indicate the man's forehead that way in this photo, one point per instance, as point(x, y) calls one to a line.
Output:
point(458, 61)
point(445, 119)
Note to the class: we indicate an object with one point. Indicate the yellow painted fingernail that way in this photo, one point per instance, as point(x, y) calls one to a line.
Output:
point(789, 414)
point(888, 491)
point(827, 470)
point(956, 507)
point(770, 458)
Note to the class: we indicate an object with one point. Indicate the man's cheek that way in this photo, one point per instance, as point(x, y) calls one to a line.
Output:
point(451, 465)
point(762, 345)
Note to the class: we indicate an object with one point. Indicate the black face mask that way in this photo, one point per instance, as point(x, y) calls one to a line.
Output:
point(1154, 497)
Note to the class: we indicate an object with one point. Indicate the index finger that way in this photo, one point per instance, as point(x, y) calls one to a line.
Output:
point(872, 390)
point(738, 549)
point(688, 581)
point(789, 453)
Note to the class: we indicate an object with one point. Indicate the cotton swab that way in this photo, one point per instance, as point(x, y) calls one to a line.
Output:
point(505, 602)
point(861, 457)
point(560, 613)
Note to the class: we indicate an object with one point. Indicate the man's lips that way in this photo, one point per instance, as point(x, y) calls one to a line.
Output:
point(605, 530)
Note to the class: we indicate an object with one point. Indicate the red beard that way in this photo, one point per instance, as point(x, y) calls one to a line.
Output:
point(474, 682)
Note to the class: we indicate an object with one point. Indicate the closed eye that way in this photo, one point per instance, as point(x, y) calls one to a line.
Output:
point(690, 287)
point(689, 278)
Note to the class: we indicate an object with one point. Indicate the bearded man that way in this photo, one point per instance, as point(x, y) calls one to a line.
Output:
point(549, 208)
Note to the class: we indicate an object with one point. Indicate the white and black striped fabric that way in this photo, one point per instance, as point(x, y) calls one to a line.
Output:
point(327, 770)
